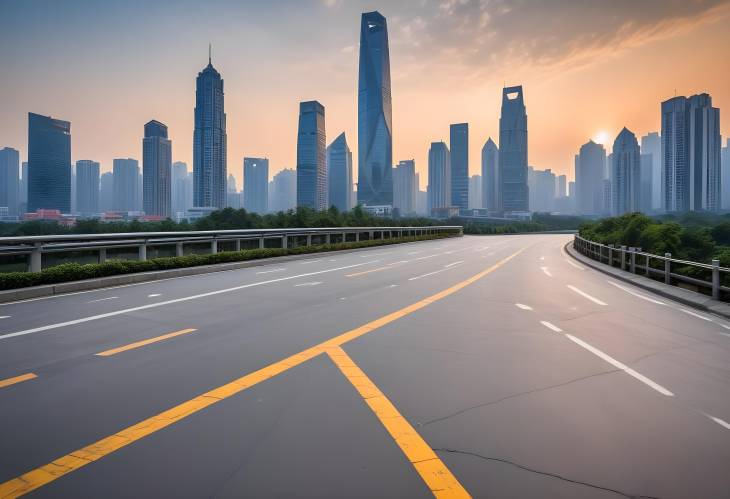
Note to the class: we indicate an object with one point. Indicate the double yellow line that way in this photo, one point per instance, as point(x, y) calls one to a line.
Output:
point(426, 463)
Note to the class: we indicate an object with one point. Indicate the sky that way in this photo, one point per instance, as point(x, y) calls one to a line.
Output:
point(588, 68)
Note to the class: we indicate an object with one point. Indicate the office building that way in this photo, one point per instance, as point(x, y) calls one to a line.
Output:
point(156, 170)
point(10, 180)
point(625, 174)
point(311, 160)
point(589, 176)
point(542, 184)
point(405, 187)
point(126, 184)
point(475, 192)
point(49, 164)
point(87, 187)
point(209, 140)
point(339, 174)
point(490, 176)
point(513, 152)
point(439, 177)
point(106, 192)
point(459, 143)
point(181, 189)
point(651, 143)
point(374, 114)
point(283, 190)
point(256, 185)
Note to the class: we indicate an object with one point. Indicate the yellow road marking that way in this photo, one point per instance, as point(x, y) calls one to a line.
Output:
point(390, 265)
point(433, 471)
point(16, 379)
point(77, 459)
point(137, 344)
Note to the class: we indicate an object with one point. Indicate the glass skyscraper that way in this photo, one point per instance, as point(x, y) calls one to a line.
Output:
point(374, 115)
point(49, 163)
point(156, 170)
point(311, 161)
point(339, 173)
point(459, 143)
point(209, 140)
point(514, 193)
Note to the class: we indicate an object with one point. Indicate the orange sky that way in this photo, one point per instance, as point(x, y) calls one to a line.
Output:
point(112, 70)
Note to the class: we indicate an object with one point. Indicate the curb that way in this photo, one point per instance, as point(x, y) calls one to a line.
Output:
point(683, 296)
point(12, 295)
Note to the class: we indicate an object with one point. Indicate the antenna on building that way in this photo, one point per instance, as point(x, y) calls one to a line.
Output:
point(210, 53)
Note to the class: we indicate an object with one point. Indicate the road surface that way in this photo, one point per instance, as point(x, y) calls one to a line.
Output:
point(492, 366)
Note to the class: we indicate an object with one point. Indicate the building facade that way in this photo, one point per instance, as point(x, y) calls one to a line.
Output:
point(651, 143)
point(725, 176)
point(283, 190)
point(87, 187)
point(514, 192)
point(625, 174)
point(181, 189)
point(209, 140)
point(256, 185)
point(405, 187)
point(490, 176)
point(339, 174)
point(589, 176)
point(49, 164)
point(106, 192)
point(10, 180)
point(126, 184)
point(374, 114)
point(156, 170)
point(439, 177)
point(311, 157)
point(459, 143)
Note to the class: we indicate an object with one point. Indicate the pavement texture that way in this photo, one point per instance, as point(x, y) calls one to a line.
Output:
point(490, 366)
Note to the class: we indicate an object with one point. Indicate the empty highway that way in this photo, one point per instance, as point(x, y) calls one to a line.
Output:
point(493, 366)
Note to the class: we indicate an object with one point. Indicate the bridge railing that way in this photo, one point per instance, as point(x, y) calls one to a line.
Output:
point(33, 253)
point(705, 278)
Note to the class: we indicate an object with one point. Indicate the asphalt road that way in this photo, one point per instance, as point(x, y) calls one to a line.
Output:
point(494, 366)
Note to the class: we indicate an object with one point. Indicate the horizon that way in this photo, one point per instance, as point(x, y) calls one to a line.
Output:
point(109, 104)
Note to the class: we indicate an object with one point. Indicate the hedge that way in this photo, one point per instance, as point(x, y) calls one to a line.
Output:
point(75, 272)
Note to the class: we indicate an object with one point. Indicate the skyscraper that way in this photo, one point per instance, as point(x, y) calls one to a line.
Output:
point(311, 161)
point(339, 174)
point(405, 187)
point(23, 194)
point(475, 192)
point(374, 114)
point(439, 177)
point(126, 175)
point(646, 169)
point(284, 190)
point(513, 151)
point(725, 176)
point(106, 192)
point(156, 170)
point(651, 143)
point(256, 184)
point(209, 140)
point(490, 176)
point(459, 143)
point(625, 173)
point(562, 187)
point(180, 194)
point(542, 190)
point(589, 176)
point(10, 180)
point(87, 187)
point(49, 163)
point(691, 154)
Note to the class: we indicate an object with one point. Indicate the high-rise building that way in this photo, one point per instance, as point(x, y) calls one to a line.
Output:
point(283, 192)
point(126, 184)
point(651, 143)
point(157, 170)
point(725, 176)
point(439, 177)
point(374, 114)
point(405, 187)
point(691, 154)
point(542, 190)
point(562, 187)
point(87, 187)
point(49, 163)
point(231, 184)
point(311, 160)
point(256, 184)
point(339, 173)
point(209, 140)
point(23, 193)
point(646, 170)
point(10, 180)
point(490, 176)
point(513, 152)
point(589, 177)
point(106, 192)
point(459, 143)
point(475, 192)
point(625, 173)
point(180, 194)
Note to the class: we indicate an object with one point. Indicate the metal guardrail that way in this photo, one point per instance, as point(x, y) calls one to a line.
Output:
point(635, 261)
point(35, 247)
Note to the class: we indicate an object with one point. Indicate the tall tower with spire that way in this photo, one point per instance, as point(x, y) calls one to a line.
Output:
point(209, 139)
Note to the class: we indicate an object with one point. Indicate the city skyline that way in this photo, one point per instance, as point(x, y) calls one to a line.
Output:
point(654, 35)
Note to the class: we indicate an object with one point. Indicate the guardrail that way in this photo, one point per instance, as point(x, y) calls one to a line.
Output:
point(662, 268)
point(45, 251)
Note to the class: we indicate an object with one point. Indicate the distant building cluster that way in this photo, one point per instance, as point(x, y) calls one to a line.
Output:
point(681, 168)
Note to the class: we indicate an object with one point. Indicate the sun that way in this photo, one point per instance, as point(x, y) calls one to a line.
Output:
point(602, 137)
